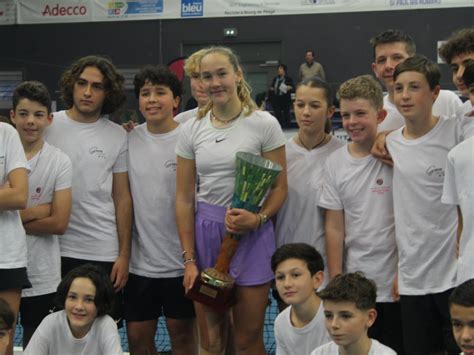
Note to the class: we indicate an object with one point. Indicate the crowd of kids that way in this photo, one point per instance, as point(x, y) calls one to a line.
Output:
point(373, 246)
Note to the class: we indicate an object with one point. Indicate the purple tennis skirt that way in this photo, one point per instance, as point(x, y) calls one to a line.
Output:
point(250, 265)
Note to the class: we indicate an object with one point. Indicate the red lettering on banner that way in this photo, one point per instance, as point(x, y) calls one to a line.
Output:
point(64, 10)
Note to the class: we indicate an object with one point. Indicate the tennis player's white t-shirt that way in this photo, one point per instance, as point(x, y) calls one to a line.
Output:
point(291, 340)
point(185, 116)
point(447, 104)
point(300, 220)
point(214, 150)
point(362, 188)
point(425, 228)
point(12, 234)
point(53, 337)
point(156, 250)
point(459, 190)
point(50, 171)
point(97, 151)
point(332, 348)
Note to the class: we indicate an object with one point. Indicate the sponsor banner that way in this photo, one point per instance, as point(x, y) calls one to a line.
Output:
point(7, 12)
point(43, 11)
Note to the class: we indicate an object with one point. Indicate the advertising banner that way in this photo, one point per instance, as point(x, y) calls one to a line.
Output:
point(44, 11)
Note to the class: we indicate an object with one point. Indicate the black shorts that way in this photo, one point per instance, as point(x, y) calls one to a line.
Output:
point(427, 324)
point(13, 279)
point(149, 298)
point(67, 264)
point(387, 327)
point(34, 309)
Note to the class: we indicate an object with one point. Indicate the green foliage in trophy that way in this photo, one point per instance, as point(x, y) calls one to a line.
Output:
point(254, 177)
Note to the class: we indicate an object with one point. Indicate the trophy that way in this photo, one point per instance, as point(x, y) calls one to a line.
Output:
point(254, 176)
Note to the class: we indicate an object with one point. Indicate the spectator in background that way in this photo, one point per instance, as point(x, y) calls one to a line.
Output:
point(280, 92)
point(310, 68)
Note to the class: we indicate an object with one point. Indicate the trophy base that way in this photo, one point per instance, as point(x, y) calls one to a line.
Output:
point(217, 298)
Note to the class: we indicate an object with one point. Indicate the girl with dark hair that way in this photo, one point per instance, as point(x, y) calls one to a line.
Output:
point(82, 326)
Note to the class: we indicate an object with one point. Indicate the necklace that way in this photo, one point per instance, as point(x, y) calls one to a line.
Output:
point(316, 145)
point(214, 117)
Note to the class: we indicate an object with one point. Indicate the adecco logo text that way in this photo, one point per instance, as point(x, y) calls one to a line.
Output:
point(78, 10)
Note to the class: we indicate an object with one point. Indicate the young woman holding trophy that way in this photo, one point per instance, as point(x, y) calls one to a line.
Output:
point(206, 150)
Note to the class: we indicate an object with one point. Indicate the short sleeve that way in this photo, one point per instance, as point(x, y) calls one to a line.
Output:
point(111, 344)
point(15, 155)
point(273, 137)
point(184, 147)
point(121, 163)
point(64, 173)
point(330, 197)
point(39, 342)
point(280, 345)
point(450, 195)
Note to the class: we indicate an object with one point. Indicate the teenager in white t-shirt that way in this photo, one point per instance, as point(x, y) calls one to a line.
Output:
point(300, 220)
point(49, 202)
point(100, 223)
point(425, 227)
point(13, 197)
point(392, 47)
point(155, 285)
point(83, 326)
point(357, 196)
point(299, 272)
point(349, 309)
point(206, 154)
point(459, 190)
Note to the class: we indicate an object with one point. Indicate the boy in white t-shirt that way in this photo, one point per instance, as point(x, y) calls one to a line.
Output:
point(357, 196)
point(391, 47)
point(49, 202)
point(155, 285)
point(299, 272)
point(349, 309)
point(459, 190)
point(425, 228)
point(461, 309)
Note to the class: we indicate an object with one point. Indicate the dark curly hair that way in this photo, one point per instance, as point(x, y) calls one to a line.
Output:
point(352, 287)
point(157, 75)
point(463, 295)
point(104, 290)
point(460, 42)
point(34, 91)
point(113, 82)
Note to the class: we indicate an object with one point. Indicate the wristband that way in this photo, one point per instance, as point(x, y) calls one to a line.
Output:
point(190, 260)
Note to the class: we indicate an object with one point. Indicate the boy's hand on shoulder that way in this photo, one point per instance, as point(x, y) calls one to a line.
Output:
point(129, 126)
point(379, 149)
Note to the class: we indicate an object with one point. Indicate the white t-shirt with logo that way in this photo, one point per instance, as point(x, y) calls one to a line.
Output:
point(50, 171)
point(332, 348)
point(97, 151)
point(53, 336)
point(291, 340)
point(185, 116)
point(214, 150)
point(459, 190)
point(156, 250)
point(362, 188)
point(425, 228)
point(12, 234)
point(300, 220)
point(446, 104)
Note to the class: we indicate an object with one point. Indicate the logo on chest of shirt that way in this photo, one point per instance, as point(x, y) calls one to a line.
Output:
point(218, 140)
point(170, 164)
point(97, 152)
point(37, 194)
point(435, 172)
point(380, 189)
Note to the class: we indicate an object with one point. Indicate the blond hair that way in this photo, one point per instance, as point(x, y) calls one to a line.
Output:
point(191, 65)
point(243, 88)
point(362, 87)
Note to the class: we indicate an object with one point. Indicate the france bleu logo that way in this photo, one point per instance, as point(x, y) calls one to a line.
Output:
point(191, 8)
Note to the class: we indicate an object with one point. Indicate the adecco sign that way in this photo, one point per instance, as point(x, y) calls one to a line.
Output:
point(59, 10)
point(31, 11)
